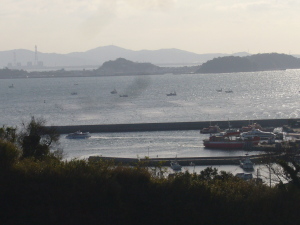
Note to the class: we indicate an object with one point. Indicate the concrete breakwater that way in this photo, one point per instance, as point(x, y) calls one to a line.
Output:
point(139, 127)
point(198, 161)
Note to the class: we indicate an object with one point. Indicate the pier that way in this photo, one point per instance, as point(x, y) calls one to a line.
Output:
point(171, 126)
point(186, 161)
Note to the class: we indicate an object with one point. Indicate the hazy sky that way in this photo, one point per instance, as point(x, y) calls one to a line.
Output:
point(200, 26)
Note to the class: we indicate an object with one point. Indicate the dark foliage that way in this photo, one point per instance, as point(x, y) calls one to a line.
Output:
point(78, 192)
point(46, 190)
point(35, 139)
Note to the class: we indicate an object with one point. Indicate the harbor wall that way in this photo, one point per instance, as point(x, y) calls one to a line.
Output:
point(186, 161)
point(197, 125)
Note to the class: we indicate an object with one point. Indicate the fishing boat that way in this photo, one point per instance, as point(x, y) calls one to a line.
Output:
point(175, 165)
point(171, 94)
point(78, 135)
point(251, 127)
point(246, 163)
point(114, 91)
point(258, 133)
point(226, 141)
point(211, 130)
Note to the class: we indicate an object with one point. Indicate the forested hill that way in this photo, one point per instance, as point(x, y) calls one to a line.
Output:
point(123, 66)
point(258, 62)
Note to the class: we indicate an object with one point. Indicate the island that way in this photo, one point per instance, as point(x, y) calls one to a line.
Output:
point(253, 63)
point(124, 67)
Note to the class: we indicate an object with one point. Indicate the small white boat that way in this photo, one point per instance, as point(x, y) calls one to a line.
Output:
point(247, 164)
point(258, 133)
point(175, 165)
point(78, 135)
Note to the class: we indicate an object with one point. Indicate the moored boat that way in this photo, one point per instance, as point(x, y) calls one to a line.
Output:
point(251, 127)
point(232, 132)
point(78, 135)
point(211, 130)
point(258, 133)
point(175, 165)
point(247, 164)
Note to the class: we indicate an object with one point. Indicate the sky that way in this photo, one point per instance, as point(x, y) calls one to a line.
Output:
point(200, 26)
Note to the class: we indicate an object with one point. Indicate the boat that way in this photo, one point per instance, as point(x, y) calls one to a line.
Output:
point(258, 133)
point(219, 90)
point(11, 86)
point(226, 141)
point(124, 96)
point(175, 165)
point(211, 130)
point(114, 91)
point(232, 132)
point(244, 176)
point(78, 135)
point(256, 126)
point(251, 127)
point(246, 163)
point(74, 93)
point(171, 94)
point(229, 91)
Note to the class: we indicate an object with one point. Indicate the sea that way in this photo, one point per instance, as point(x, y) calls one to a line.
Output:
point(88, 100)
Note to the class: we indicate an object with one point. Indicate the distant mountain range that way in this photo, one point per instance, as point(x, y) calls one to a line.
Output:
point(26, 59)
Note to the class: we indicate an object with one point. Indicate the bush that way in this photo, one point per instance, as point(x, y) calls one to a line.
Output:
point(9, 154)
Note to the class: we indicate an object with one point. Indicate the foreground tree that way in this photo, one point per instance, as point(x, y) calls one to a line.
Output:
point(8, 134)
point(36, 139)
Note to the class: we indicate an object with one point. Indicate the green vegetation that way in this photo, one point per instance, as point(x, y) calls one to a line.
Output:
point(37, 187)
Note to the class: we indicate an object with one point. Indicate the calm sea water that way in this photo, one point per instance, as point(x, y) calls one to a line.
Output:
point(259, 95)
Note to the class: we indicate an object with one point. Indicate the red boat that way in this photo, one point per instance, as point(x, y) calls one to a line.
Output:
point(229, 142)
point(251, 127)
